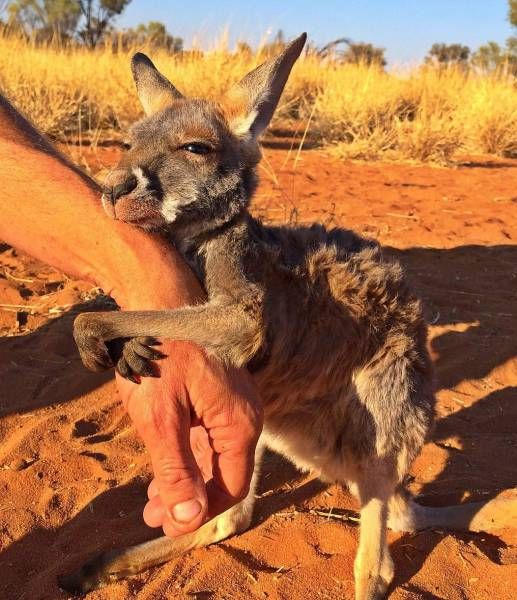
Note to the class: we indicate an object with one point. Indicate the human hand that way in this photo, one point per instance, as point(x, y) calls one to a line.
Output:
point(200, 423)
point(141, 272)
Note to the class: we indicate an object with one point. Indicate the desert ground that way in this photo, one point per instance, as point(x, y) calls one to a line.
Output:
point(73, 473)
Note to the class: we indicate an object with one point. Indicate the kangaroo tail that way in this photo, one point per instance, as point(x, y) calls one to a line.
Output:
point(407, 515)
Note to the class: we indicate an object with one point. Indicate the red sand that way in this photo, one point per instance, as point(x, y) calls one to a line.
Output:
point(73, 473)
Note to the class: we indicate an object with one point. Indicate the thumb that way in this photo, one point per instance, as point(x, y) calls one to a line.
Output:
point(180, 485)
point(180, 504)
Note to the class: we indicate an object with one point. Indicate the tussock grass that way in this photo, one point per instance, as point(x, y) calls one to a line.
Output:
point(425, 114)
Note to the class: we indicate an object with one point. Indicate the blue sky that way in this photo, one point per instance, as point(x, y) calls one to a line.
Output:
point(405, 28)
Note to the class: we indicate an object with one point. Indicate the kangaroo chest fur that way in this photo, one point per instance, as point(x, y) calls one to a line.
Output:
point(328, 310)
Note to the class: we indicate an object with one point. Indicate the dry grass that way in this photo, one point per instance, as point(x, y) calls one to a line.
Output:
point(424, 115)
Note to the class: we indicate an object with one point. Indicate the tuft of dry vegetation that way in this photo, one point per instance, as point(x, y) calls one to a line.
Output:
point(426, 114)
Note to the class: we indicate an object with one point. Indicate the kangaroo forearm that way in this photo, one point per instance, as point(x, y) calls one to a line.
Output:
point(200, 322)
point(52, 211)
point(224, 331)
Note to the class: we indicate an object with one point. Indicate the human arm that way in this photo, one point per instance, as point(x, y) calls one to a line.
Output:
point(52, 211)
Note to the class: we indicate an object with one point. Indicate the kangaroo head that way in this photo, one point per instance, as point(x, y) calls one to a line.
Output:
point(191, 162)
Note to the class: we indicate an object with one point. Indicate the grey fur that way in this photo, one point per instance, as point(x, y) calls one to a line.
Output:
point(333, 335)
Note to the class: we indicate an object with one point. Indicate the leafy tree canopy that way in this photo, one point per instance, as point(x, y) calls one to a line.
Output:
point(88, 20)
point(153, 34)
point(445, 54)
point(512, 12)
point(366, 53)
point(491, 56)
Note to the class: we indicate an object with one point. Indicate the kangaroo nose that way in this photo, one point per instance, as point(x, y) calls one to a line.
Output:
point(123, 188)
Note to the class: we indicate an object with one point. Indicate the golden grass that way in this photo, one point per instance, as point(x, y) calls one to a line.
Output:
point(425, 114)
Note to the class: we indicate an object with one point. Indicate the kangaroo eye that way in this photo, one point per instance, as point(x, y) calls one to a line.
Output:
point(126, 145)
point(197, 148)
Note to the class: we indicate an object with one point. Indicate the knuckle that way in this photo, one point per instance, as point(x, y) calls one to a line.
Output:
point(163, 424)
point(84, 325)
point(128, 353)
point(172, 472)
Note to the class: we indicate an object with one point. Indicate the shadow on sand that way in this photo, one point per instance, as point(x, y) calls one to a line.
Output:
point(470, 286)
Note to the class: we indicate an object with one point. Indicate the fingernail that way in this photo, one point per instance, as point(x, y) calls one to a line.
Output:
point(186, 511)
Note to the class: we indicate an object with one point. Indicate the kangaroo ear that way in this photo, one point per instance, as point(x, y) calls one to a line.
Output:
point(251, 103)
point(154, 90)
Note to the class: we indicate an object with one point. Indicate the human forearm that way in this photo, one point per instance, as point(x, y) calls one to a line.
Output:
point(52, 211)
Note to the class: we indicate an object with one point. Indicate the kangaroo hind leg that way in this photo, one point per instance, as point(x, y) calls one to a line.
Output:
point(373, 567)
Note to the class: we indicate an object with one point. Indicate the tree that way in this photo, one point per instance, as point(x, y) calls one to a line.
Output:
point(364, 53)
point(511, 46)
point(64, 19)
point(491, 56)
point(488, 57)
point(448, 54)
point(512, 12)
point(98, 17)
point(153, 34)
point(157, 34)
point(44, 19)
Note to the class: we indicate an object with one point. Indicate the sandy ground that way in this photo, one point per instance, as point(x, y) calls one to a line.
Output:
point(73, 474)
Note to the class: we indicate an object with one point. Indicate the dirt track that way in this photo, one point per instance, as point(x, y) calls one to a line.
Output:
point(73, 474)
